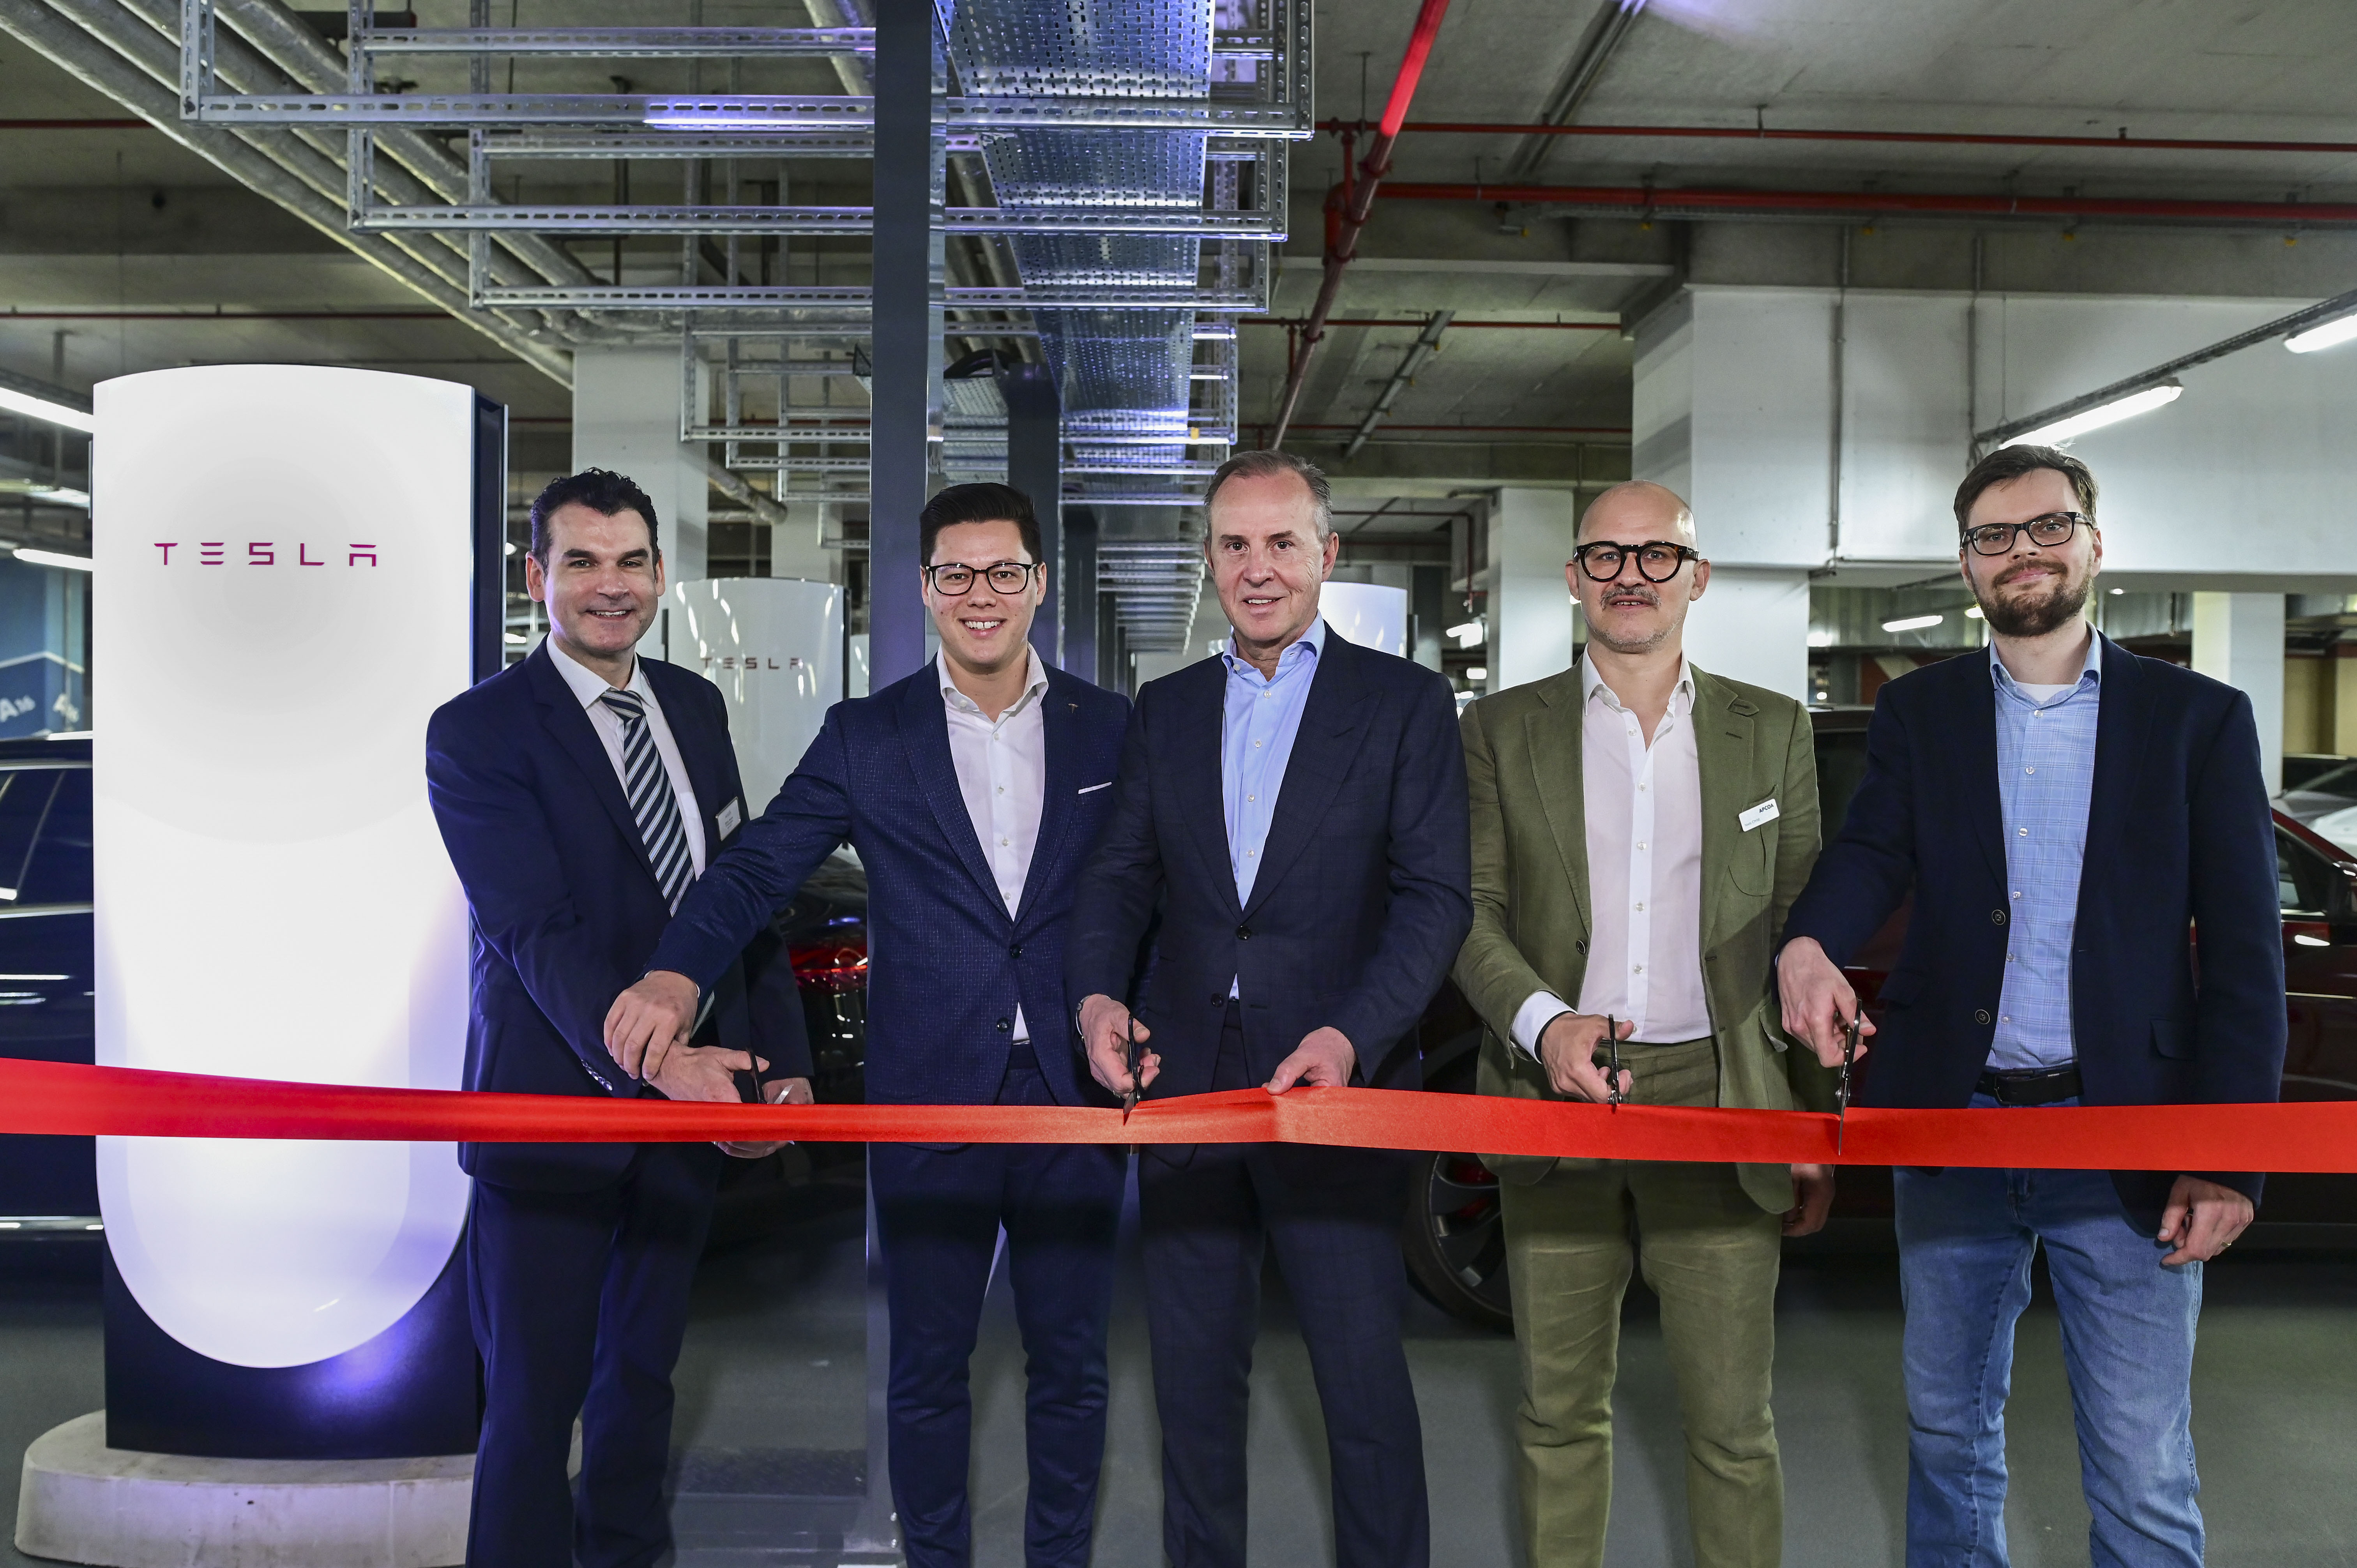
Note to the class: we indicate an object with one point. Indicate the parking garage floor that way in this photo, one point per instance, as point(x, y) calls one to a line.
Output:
point(775, 1364)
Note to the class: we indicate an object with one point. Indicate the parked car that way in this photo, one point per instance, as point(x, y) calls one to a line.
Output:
point(46, 1184)
point(1457, 1255)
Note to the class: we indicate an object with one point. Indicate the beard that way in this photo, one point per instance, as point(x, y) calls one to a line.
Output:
point(1643, 644)
point(2035, 615)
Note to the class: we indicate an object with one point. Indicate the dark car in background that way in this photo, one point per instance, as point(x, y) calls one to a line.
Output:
point(45, 981)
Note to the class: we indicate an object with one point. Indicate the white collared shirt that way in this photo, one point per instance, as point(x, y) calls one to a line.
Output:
point(590, 686)
point(1002, 769)
point(1645, 870)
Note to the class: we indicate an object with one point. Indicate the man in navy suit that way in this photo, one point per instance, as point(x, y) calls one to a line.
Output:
point(2067, 815)
point(580, 792)
point(1296, 809)
point(971, 791)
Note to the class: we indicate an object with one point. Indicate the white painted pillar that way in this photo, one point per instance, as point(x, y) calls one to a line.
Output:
point(1752, 624)
point(794, 547)
point(1531, 536)
point(2239, 639)
point(625, 418)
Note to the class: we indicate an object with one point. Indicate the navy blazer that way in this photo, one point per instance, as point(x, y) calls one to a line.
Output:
point(2180, 837)
point(563, 902)
point(946, 963)
point(1363, 896)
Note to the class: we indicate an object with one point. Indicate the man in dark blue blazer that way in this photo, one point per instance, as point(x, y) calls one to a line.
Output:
point(579, 792)
point(1297, 810)
point(971, 791)
point(2066, 814)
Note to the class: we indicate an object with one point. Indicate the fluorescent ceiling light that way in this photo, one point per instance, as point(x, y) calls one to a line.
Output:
point(26, 977)
point(518, 638)
point(1912, 623)
point(1973, 612)
point(51, 558)
point(1821, 639)
point(1477, 672)
point(2096, 418)
point(48, 409)
point(2332, 335)
point(1469, 633)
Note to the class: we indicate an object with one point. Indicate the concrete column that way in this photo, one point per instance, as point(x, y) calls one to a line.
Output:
point(1079, 591)
point(794, 547)
point(1531, 536)
point(1752, 624)
point(907, 331)
point(1034, 465)
point(625, 418)
point(2239, 639)
point(1427, 611)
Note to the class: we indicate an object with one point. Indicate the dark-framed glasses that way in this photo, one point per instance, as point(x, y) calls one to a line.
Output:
point(2049, 529)
point(953, 578)
point(1657, 560)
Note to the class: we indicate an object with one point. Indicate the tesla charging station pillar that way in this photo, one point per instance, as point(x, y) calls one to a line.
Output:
point(299, 565)
point(774, 646)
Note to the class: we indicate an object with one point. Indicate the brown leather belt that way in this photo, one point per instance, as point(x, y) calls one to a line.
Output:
point(2042, 1086)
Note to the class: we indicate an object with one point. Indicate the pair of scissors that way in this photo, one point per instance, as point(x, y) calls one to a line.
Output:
point(1129, 1057)
point(1612, 1076)
point(1849, 1057)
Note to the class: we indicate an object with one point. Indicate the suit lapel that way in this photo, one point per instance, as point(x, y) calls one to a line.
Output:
point(1554, 737)
point(2124, 719)
point(1059, 726)
point(1199, 693)
point(566, 722)
point(1323, 748)
point(925, 731)
point(1725, 740)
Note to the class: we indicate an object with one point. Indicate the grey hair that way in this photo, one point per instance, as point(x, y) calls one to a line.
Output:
point(1268, 465)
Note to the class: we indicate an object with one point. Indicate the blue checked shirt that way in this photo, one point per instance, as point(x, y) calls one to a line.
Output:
point(2046, 772)
point(1256, 732)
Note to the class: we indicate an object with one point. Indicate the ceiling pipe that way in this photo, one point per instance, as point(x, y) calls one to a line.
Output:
point(1605, 30)
point(1925, 138)
point(1347, 206)
point(1295, 321)
point(1426, 344)
point(1658, 201)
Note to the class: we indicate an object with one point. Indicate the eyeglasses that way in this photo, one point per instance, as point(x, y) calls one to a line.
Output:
point(2052, 529)
point(1657, 561)
point(1007, 577)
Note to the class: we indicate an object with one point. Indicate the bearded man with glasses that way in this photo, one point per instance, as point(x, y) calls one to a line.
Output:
point(1640, 827)
point(2065, 813)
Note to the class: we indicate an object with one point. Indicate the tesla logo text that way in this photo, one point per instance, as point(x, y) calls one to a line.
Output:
point(749, 661)
point(214, 552)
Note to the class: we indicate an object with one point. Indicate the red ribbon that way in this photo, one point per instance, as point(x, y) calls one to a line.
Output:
point(52, 1096)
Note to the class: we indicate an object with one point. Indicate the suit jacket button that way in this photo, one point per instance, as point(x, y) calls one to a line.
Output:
point(1015, 951)
point(1981, 1017)
point(1996, 917)
point(1006, 1024)
point(1581, 948)
point(1243, 933)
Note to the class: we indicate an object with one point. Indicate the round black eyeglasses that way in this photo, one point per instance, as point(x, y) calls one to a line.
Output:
point(1657, 561)
point(2051, 530)
point(1007, 577)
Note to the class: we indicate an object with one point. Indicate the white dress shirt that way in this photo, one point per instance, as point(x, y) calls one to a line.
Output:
point(1002, 769)
point(590, 686)
point(1644, 871)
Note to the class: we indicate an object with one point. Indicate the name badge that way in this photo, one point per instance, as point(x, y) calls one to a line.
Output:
point(1765, 812)
point(732, 816)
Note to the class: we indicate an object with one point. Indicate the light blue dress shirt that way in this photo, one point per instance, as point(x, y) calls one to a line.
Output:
point(2046, 774)
point(1256, 732)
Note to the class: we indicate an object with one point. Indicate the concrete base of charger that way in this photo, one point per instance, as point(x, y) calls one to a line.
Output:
point(81, 1501)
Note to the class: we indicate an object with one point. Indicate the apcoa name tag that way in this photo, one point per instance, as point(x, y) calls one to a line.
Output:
point(732, 815)
point(1765, 812)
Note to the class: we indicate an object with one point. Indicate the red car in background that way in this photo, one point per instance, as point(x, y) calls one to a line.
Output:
point(1457, 1256)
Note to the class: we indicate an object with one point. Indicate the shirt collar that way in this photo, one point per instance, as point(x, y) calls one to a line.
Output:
point(2091, 670)
point(1035, 681)
point(1311, 645)
point(586, 684)
point(1591, 683)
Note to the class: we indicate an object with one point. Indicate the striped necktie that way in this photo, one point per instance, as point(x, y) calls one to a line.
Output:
point(647, 784)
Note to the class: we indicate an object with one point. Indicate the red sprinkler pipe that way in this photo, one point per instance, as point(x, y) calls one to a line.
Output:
point(1354, 199)
point(1776, 134)
point(1661, 199)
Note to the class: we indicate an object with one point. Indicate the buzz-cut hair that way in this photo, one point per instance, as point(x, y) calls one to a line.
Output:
point(1259, 465)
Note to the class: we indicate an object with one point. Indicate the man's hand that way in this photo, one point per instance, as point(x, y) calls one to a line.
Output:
point(2203, 1219)
point(1812, 1197)
point(1322, 1060)
point(646, 1021)
point(703, 1072)
point(1818, 1000)
point(1104, 1025)
point(1567, 1047)
point(782, 1091)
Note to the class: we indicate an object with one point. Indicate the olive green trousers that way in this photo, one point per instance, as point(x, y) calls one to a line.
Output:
point(1711, 1254)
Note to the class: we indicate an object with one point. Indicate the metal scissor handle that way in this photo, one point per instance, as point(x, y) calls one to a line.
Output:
point(1612, 1095)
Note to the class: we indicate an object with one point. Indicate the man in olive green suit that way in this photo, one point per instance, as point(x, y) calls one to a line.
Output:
point(1640, 828)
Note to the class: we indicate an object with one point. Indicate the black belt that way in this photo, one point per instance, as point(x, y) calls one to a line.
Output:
point(2039, 1086)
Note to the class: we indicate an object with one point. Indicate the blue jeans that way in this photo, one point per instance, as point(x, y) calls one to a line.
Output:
point(1965, 1240)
